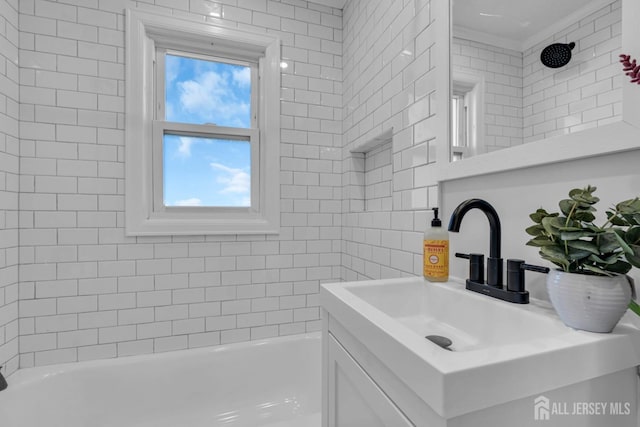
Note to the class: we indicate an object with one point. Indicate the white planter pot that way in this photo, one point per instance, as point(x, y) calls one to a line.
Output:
point(589, 303)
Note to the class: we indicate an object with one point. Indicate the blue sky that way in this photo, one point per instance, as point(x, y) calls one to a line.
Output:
point(201, 171)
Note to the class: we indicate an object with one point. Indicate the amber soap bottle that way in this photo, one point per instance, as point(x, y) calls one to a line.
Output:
point(436, 251)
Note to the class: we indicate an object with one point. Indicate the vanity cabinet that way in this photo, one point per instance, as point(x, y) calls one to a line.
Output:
point(359, 390)
point(354, 398)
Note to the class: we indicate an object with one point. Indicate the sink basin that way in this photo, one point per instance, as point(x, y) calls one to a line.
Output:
point(500, 351)
point(443, 309)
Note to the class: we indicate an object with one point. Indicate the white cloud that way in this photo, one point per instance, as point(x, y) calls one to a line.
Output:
point(184, 149)
point(242, 76)
point(194, 201)
point(211, 97)
point(235, 180)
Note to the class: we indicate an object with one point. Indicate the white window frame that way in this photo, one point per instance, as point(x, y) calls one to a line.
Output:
point(471, 87)
point(143, 132)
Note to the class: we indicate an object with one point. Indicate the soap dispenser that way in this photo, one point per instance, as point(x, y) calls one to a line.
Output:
point(436, 251)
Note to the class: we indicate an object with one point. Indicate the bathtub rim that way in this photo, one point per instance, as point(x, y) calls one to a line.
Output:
point(26, 376)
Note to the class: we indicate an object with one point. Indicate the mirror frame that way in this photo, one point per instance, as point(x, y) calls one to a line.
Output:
point(620, 136)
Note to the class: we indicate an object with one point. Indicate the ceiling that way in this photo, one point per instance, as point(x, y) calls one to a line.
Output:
point(519, 21)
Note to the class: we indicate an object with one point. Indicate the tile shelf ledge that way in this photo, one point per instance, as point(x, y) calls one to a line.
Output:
point(609, 139)
point(373, 143)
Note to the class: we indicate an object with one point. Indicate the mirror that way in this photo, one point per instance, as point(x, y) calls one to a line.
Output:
point(509, 120)
point(504, 94)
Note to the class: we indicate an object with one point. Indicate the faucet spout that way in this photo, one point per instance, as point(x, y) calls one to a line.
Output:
point(494, 273)
point(492, 216)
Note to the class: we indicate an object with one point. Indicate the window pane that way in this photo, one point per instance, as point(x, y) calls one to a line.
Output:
point(207, 172)
point(199, 91)
point(455, 122)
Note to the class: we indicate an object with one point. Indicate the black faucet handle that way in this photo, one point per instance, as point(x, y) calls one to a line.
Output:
point(476, 266)
point(515, 273)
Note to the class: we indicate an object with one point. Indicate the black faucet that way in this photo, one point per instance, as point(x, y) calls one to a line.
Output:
point(514, 291)
point(494, 263)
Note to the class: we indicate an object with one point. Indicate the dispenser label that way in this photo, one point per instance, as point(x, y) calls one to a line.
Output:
point(436, 258)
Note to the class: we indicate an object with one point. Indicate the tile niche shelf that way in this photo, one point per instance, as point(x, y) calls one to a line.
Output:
point(370, 185)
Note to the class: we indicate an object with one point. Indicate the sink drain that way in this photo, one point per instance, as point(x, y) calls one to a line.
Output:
point(441, 341)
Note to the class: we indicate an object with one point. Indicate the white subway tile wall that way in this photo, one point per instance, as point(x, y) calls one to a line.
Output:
point(10, 182)
point(86, 290)
point(584, 94)
point(389, 83)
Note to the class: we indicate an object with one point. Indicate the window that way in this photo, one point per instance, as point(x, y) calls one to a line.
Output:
point(459, 120)
point(203, 128)
point(467, 116)
point(205, 132)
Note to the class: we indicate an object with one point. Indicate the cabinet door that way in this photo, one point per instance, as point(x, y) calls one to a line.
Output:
point(354, 398)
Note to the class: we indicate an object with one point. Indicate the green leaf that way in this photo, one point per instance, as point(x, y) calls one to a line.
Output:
point(632, 236)
point(584, 195)
point(535, 230)
point(616, 219)
point(634, 259)
point(557, 261)
point(596, 270)
point(584, 215)
point(627, 250)
point(578, 254)
point(555, 252)
point(584, 245)
point(538, 215)
point(607, 242)
point(541, 241)
point(620, 267)
point(607, 260)
point(575, 235)
point(631, 206)
point(566, 206)
point(552, 225)
point(629, 219)
point(633, 306)
point(570, 228)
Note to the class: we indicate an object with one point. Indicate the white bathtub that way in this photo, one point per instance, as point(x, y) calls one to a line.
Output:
point(273, 382)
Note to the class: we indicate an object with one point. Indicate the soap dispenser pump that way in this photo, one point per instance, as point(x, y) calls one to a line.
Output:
point(436, 251)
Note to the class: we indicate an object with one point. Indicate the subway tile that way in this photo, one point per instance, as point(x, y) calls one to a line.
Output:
point(51, 357)
point(204, 339)
point(116, 334)
point(78, 338)
point(135, 316)
point(93, 352)
point(153, 330)
point(131, 348)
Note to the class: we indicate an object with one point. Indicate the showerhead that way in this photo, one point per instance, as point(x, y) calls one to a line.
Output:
point(557, 55)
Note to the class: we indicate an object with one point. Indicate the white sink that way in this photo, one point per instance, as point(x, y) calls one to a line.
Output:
point(501, 351)
point(471, 321)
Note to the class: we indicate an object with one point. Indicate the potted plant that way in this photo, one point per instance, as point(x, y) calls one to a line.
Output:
point(590, 290)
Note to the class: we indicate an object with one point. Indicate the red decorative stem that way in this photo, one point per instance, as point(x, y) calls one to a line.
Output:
point(631, 68)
